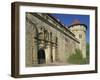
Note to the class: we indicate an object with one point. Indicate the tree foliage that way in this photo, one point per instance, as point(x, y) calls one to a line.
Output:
point(87, 52)
point(77, 58)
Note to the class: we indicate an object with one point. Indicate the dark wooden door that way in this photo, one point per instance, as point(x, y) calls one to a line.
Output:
point(41, 56)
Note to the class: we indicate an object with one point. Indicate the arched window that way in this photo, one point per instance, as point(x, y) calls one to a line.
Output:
point(46, 35)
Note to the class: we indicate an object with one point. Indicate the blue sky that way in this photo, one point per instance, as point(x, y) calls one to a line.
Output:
point(67, 20)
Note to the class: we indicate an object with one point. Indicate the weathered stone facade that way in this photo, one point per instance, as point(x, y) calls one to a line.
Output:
point(48, 41)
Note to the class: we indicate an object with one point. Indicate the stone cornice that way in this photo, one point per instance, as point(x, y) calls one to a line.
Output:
point(47, 22)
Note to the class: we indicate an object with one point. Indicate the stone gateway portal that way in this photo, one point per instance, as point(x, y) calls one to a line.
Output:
point(41, 56)
point(50, 42)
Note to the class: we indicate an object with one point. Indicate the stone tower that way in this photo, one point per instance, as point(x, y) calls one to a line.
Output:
point(80, 33)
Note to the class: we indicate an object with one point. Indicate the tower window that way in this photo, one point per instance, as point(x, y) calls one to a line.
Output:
point(80, 36)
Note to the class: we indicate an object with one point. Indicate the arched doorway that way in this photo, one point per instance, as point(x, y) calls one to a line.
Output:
point(41, 56)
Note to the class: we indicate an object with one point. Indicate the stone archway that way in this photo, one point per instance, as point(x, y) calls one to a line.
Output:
point(41, 56)
point(31, 41)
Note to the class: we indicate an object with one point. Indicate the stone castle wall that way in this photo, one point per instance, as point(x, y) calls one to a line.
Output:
point(45, 35)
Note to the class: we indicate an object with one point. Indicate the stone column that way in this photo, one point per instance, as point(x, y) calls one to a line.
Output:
point(48, 53)
point(34, 53)
point(54, 52)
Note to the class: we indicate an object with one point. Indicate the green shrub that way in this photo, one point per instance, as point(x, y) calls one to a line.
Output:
point(77, 58)
point(87, 52)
